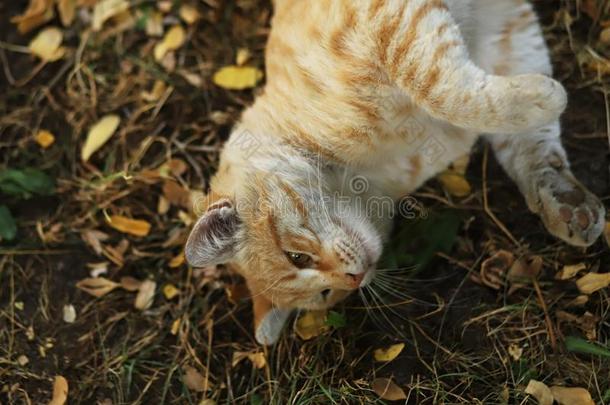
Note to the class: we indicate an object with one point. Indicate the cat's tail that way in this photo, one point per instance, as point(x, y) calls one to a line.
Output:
point(429, 60)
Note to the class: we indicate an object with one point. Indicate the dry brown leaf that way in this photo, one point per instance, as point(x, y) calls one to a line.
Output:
point(540, 391)
point(387, 389)
point(189, 14)
point(106, 9)
point(60, 391)
point(572, 396)
point(569, 271)
point(237, 77)
point(587, 322)
point(98, 287)
point(67, 11)
point(44, 138)
point(37, 13)
point(146, 294)
point(173, 39)
point(170, 291)
point(94, 238)
point(194, 380)
point(578, 301)
point(388, 353)
point(47, 44)
point(607, 233)
point(130, 283)
point(455, 183)
point(592, 282)
point(494, 269)
point(176, 194)
point(99, 134)
point(523, 271)
point(311, 324)
point(137, 227)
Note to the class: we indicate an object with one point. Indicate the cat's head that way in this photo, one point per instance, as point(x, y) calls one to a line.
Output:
point(297, 243)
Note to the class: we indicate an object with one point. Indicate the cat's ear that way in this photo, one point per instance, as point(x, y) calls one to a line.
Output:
point(268, 320)
point(213, 239)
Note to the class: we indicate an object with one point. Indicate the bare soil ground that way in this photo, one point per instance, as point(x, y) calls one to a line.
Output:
point(466, 341)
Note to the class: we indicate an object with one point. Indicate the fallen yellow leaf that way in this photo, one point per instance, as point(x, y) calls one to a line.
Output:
point(243, 55)
point(194, 380)
point(60, 391)
point(237, 77)
point(455, 183)
point(540, 391)
point(97, 287)
point(177, 261)
point(387, 389)
point(37, 13)
point(175, 327)
point(311, 324)
point(258, 359)
point(515, 351)
point(569, 271)
point(173, 39)
point(67, 11)
point(592, 282)
point(146, 293)
point(154, 24)
point(99, 134)
point(572, 396)
point(47, 44)
point(137, 227)
point(44, 138)
point(189, 14)
point(156, 92)
point(388, 353)
point(106, 9)
point(170, 291)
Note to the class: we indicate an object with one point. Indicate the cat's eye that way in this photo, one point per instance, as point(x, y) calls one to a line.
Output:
point(301, 260)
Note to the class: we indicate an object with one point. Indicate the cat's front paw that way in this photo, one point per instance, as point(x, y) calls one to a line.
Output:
point(569, 211)
point(535, 100)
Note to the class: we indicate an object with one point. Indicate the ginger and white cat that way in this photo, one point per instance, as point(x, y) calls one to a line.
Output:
point(389, 92)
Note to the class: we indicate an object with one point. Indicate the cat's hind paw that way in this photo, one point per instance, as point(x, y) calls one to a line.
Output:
point(568, 210)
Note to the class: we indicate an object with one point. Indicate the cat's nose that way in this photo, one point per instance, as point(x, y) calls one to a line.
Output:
point(354, 279)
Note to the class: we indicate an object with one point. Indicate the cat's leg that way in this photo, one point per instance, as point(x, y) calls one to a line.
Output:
point(422, 48)
point(509, 41)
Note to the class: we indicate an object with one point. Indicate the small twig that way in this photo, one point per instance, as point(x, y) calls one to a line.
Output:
point(495, 219)
point(547, 318)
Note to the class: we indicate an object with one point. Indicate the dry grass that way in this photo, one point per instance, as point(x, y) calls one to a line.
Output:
point(457, 333)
